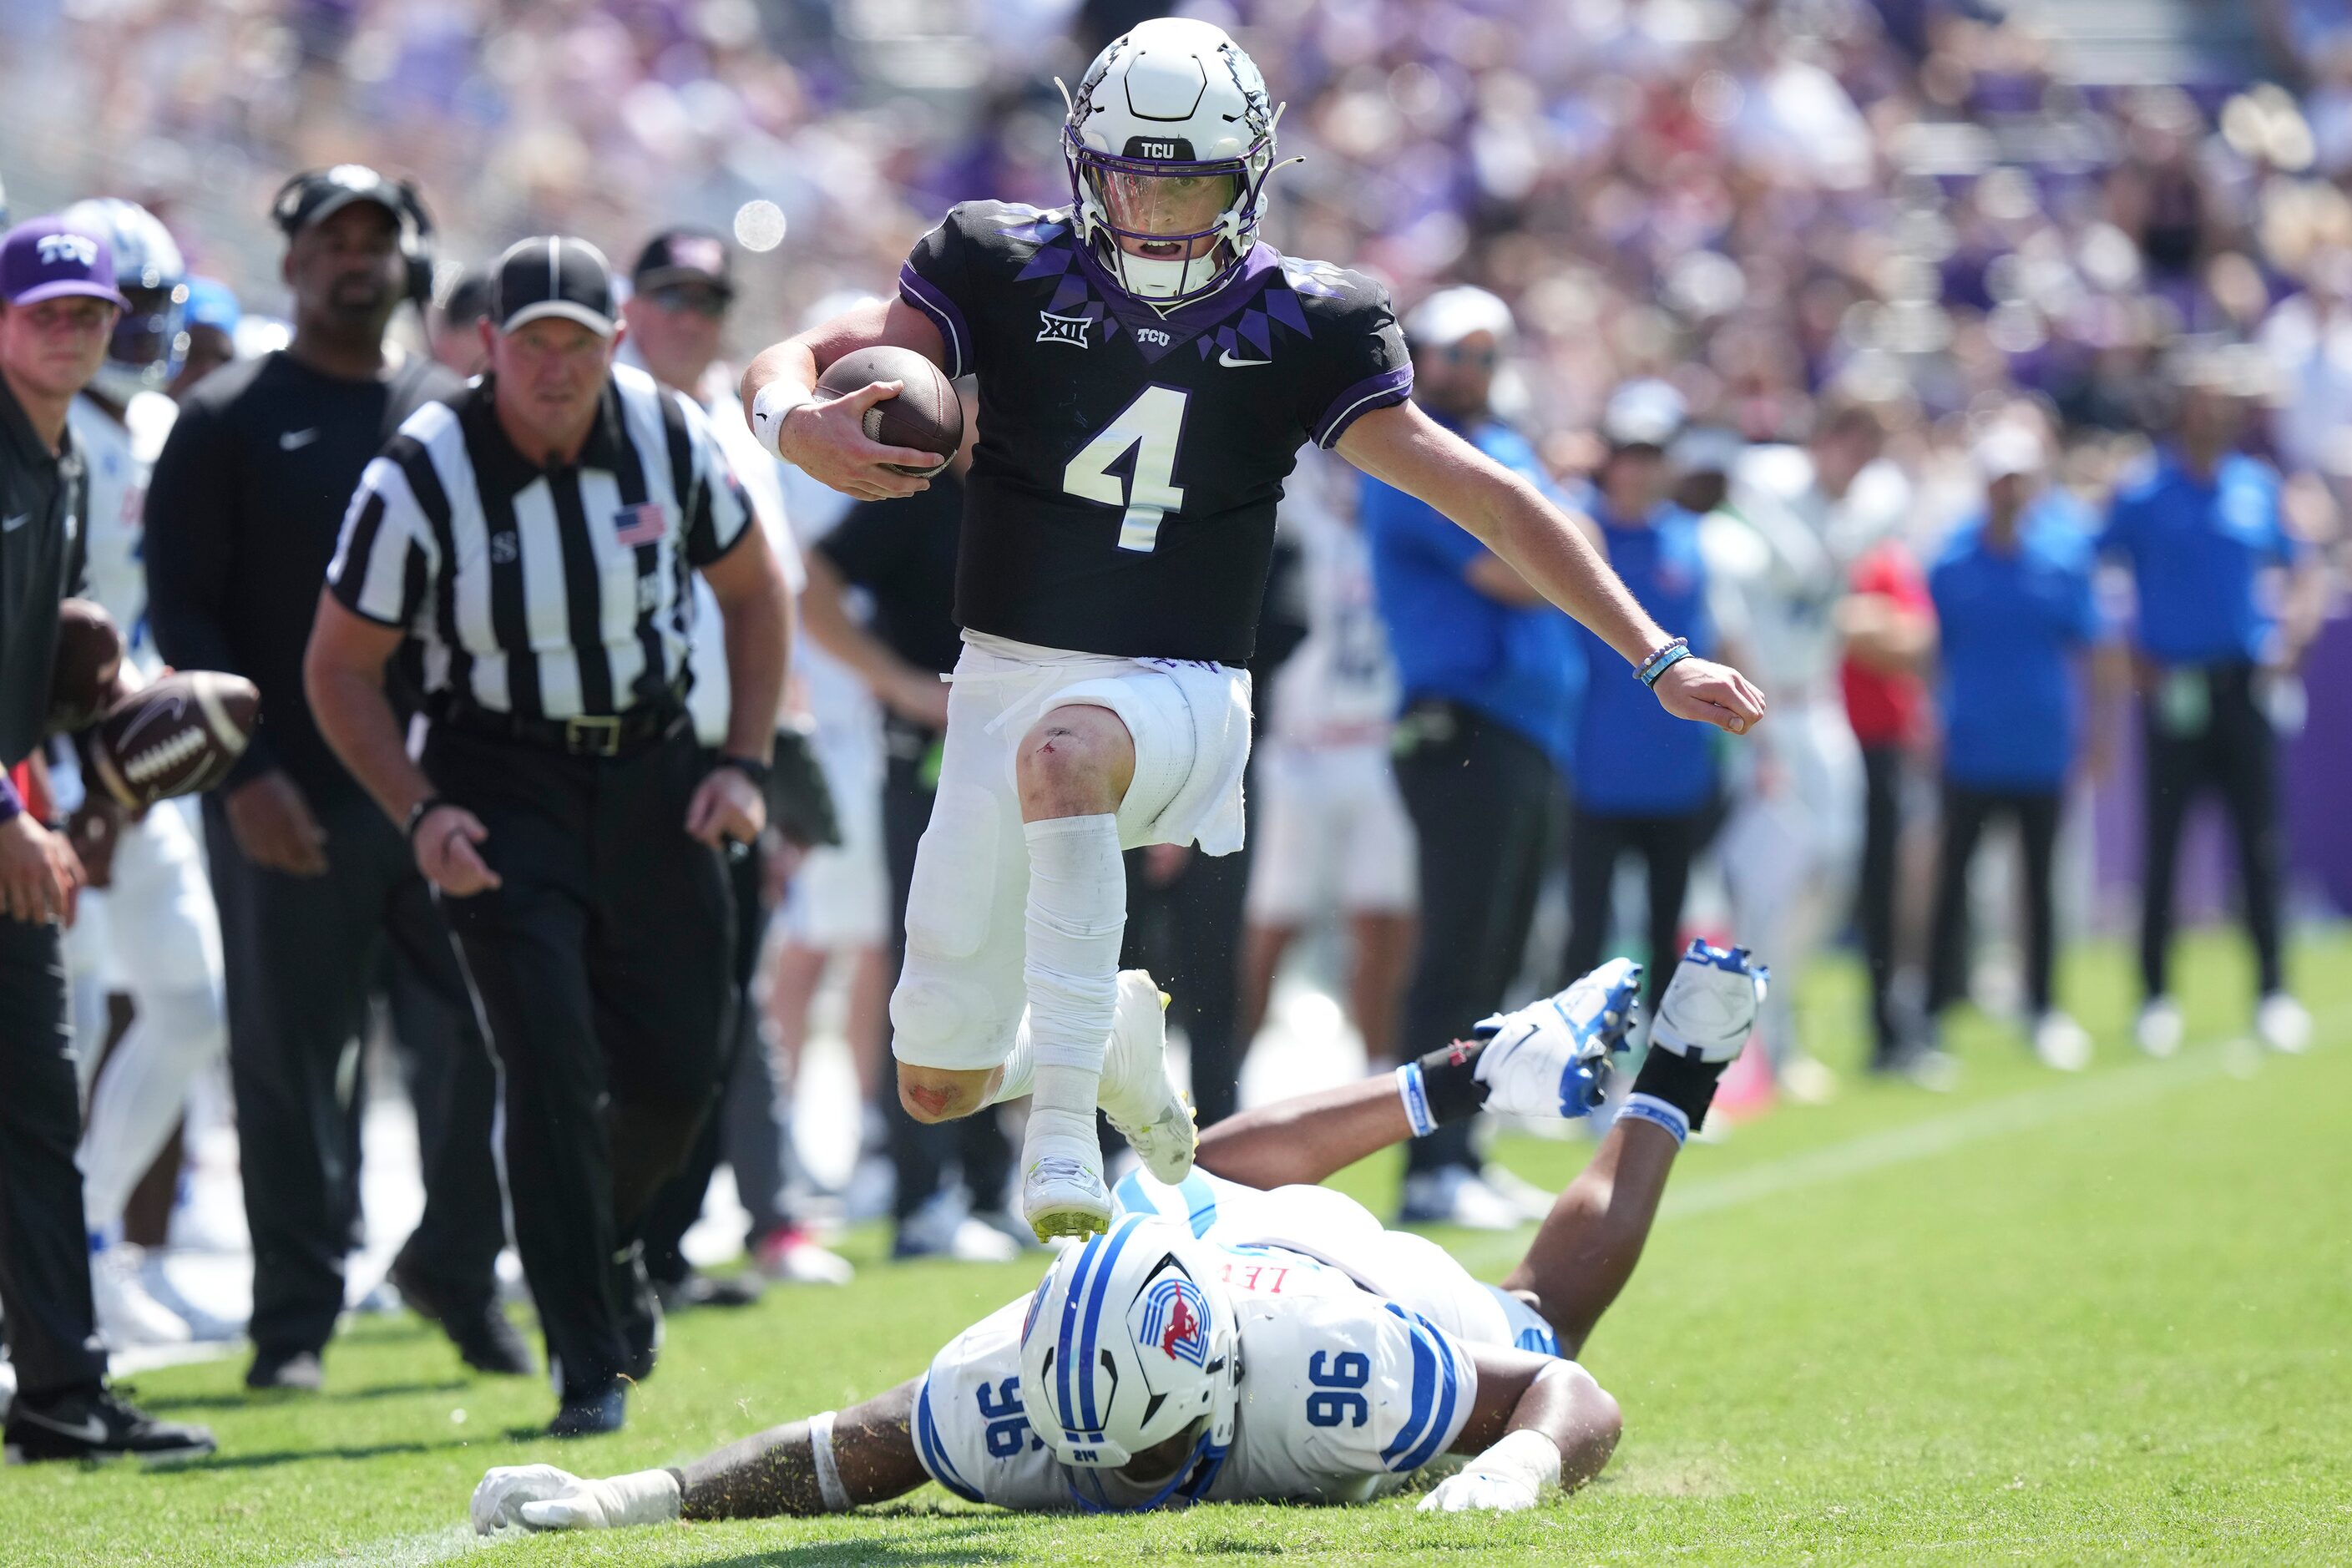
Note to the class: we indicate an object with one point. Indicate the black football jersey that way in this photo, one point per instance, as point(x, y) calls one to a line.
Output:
point(1123, 496)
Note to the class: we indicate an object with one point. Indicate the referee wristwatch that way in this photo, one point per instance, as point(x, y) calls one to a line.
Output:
point(752, 768)
point(422, 809)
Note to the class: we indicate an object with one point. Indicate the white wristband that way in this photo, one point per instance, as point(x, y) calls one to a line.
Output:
point(1414, 1094)
point(828, 1474)
point(1650, 1108)
point(770, 406)
point(1524, 1455)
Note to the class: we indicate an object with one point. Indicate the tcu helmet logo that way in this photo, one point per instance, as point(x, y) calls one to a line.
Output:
point(78, 248)
point(1070, 330)
point(1151, 335)
point(1176, 1319)
point(1158, 149)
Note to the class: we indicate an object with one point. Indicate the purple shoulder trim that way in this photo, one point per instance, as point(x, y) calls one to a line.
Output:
point(1384, 390)
point(924, 295)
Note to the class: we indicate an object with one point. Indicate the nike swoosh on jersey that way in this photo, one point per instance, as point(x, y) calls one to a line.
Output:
point(1226, 357)
point(89, 1429)
point(293, 440)
point(11, 525)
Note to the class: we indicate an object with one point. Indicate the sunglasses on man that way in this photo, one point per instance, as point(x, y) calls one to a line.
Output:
point(699, 298)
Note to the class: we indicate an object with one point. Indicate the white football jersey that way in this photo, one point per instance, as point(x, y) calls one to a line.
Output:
point(1354, 1367)
point(1341, 687)
point(120, 457)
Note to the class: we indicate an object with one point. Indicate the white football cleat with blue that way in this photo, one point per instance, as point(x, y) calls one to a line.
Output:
point(1709, 1008)
point(1551, 1059)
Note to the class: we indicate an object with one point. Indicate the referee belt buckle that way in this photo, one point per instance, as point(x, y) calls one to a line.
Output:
point(593, 735)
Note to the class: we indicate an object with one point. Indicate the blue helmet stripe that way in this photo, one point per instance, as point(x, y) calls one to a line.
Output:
point(1064, 1345)
point(1098, 1291)
point(1201, 1202)
point(1132, 1198)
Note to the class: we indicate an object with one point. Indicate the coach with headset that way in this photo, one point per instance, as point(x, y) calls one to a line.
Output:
point(532, 541)
point(313, 885)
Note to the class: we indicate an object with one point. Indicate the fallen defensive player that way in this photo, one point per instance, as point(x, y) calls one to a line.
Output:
point(1248, 1336)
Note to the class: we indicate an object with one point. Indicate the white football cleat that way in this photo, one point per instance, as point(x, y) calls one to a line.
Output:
point(1548, 1059)
point(1709, 1008)
point(2282, 1023)
point(129, 1315)
point(2061, 1043)
point(2158, 1029)
point(1149, 1111)
point(1062, 1191)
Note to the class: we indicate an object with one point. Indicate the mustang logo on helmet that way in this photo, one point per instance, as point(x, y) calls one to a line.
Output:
point(1176, 1319)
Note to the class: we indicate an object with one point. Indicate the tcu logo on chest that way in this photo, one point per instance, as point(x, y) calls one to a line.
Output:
point(1151, 335)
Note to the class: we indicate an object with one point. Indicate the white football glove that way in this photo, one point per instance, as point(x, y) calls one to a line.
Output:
point(1551, 1059)
point(541, 1497)
point(1508, 1477)
point(1709, 1008)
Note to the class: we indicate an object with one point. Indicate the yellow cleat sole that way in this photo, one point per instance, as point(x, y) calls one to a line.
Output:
point(1074, 1223)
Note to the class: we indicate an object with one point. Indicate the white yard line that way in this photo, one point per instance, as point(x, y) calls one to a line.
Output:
point(411, 1551)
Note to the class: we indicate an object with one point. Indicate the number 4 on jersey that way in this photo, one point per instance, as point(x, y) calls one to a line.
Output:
point(1151, 426)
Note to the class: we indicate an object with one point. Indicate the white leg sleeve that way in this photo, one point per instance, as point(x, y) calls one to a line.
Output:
point(1076, 915)
point(1020, 1068)
point(175, 1035)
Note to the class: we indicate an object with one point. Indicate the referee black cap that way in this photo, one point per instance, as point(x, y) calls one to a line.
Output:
point(685, 254)
point(550, 275)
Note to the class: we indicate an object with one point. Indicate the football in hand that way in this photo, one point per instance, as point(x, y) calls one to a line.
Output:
point(179, 736)
point(926, 415)
point(82, 673)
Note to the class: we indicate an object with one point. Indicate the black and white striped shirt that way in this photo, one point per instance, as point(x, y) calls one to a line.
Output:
point(545, 593)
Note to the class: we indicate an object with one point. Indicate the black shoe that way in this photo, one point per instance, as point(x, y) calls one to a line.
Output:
point(483, 1336)
point(701, 1289)
point(296, 1370)
point(590, 1415)
point(97, 1424)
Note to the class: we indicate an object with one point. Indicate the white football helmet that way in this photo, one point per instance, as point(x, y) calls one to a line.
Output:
point(1131, 1365)
point(1170, 141)
point(151, 339)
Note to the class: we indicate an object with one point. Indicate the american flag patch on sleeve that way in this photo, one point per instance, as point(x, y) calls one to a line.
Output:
point(641, 524)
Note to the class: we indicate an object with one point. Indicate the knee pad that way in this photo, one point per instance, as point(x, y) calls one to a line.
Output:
point(946, 1021)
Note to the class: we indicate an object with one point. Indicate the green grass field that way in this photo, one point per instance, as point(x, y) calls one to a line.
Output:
point(2041, 1320)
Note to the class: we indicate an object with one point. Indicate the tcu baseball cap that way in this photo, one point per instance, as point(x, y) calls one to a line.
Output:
point(551, 276)
point(50, 258)
point(685, 255)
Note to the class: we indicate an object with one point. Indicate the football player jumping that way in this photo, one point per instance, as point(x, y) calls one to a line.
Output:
point(1234, 1338)
point(1148, 369)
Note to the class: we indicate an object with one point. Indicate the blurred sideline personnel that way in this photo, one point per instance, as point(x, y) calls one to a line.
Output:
point(211, 321)
point(2014, 607)
point(312, 885)
point(1887, 627)
point(2203, 535)
point(901, 555)
point(1780, 557)
point(1108, 605)
point(454, 326)
point(57, 310)
point(1644, 782)
point(680, 289)
point(146, 927)
point(1332, 833)
point(1251, 1337)
point(531, 539)
point(1491, 677)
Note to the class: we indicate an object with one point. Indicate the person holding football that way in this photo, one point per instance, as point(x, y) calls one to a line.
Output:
point(1148, 369)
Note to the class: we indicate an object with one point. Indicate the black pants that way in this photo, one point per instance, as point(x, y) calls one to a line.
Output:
point(745, 1132)
point(1188, 932)
point(602, 966)
point(922, 1153)
point(303, 955)
point(1874, 914)
point(1667, 844)
point(2232, 750)
point(43, 1242)
point(1966, 812)
point(1480, 798)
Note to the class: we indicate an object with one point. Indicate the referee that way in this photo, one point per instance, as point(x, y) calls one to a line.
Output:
point(532, 536)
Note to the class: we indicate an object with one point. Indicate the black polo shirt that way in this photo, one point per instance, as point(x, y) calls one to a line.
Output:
point(43, 496)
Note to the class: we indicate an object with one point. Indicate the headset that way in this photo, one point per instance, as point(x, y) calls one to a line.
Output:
point(416, 227)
